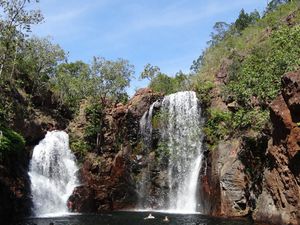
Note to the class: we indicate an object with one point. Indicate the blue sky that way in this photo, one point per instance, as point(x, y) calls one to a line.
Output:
point(166, 33)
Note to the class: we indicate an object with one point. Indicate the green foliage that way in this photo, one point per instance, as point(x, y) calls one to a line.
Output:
point(168, 85)
point(38, 60)
point(217, 126)
point(260, 73)
point(255, 119)
point(15, 22)
point(254, 53)
point(111, 77)
point(80, 148)
point(94, 117)
point(163, 152)
point(104, 79)
point(72, 83)
point(220, 32)
point(160, 119)
point(198, 63)
point(274, 4)
point(245, 19)
point(11, 143)
point(150, 72)
point(221, 124)
point(203, 90)
point(162, 83)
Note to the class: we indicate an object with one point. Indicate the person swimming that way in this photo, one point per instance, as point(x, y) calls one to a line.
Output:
point(149, 217)
point(166, 219)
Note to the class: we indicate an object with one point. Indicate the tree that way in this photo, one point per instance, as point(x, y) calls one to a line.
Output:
point(220, 31)
point(274, 4)
point(162, 83)
point(111, 77)
point(72, 83)
point(39, 60)
point(181, 82)
point(198, 63)
point(15, 24)
point(245, 19)
point(150, 72)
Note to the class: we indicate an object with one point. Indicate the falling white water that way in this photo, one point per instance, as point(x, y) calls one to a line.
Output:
point(53, 174)
point(146, 134)
point(146, 125)
point(183, 136)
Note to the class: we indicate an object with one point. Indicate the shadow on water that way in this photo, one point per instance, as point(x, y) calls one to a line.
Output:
point(132, 218)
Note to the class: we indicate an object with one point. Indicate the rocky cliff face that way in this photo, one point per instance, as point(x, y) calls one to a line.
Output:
point(280, 198)
point(32, 117)
point(108, 175)
point(256, 175)
point(14, 188)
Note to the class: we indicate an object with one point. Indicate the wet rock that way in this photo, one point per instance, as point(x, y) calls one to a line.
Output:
point(224, 183)
point(108, 175)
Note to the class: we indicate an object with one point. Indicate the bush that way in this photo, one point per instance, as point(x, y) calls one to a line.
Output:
point(203, 90)
point(260, 73)
point(11, 143)
point(217, 126)
point(94, 117)
point(168, 85)
point(80, 148)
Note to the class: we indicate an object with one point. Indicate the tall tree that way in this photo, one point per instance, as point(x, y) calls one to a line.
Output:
point(112, 77)
point(15, 24)
point(274, 4)
point(220, 31)
point(150, 72)
point(39, 60)
point(245, 19)
point(72, 83)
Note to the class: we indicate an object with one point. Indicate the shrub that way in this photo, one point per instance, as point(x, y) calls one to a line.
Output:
point(203, 90)
point(217, 126)
point(11, 143)
point(94, 117)
point(80, 148)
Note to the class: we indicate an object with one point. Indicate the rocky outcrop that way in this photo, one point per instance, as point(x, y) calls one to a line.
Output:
point(14, 188)
point(224, 186)
point(107, 175)
point(280, 199)
point(32, 118)
point(255, 174)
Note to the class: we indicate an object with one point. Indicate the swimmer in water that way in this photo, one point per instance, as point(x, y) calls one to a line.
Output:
point(166, 219)
point(149, 217)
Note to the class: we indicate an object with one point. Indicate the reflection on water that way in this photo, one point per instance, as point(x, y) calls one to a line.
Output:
point(132, 218)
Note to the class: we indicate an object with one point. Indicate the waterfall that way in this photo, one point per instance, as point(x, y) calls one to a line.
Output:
point(183, 137)
point(181, 141)
point(146, 134)
point(52, 173)
point(146, 126)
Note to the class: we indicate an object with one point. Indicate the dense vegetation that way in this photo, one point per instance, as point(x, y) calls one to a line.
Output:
point(35, 74)
point(241, 66)
point(239, 73)
point(11, 143)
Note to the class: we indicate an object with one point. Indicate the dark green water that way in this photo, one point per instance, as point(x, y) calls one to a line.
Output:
point(132, 218)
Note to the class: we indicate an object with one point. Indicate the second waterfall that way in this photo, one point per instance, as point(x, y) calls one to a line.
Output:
point(180, 142)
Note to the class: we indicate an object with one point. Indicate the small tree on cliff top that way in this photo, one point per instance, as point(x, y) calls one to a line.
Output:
point(111, 77)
